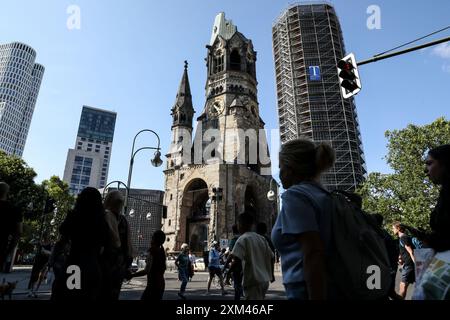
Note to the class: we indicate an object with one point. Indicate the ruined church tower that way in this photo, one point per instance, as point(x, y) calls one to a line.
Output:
point(223, 168)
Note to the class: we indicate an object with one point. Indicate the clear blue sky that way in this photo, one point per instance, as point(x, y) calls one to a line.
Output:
point(128, 57)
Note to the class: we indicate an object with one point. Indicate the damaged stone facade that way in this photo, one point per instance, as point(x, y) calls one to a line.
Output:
point(224, 168)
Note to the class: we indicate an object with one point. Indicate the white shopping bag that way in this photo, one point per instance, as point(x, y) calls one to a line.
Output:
point(434, 283)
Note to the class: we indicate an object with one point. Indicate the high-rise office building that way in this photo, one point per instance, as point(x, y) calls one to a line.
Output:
point(20, 80)
point(88, 163)
point(307, 44)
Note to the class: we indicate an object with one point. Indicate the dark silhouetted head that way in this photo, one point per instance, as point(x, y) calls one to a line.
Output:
point(89, 202)
point(438, 165)
point(378, 219)
point(261, 228)
point(245, 222)
point(159, 237)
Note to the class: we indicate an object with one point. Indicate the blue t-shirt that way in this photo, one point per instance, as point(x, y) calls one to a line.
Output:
point(214, 258)
point(305, 208)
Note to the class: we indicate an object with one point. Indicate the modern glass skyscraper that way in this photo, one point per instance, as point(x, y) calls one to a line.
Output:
point(307, 44)
point(20, 80)
point(87, 165)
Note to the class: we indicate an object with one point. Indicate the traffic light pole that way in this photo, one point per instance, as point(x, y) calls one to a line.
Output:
point(385, 56)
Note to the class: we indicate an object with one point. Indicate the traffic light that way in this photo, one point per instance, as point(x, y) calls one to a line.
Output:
point(348, 76)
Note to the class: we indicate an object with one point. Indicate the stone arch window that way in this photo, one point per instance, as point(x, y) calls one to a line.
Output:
point(175, 117)
point(218, 62)
point(235, 60)
point(182, 117)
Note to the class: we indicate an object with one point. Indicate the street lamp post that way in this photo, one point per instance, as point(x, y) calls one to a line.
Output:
point(156, 161)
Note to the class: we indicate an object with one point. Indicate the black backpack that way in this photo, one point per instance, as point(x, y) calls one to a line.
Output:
point(358, 250)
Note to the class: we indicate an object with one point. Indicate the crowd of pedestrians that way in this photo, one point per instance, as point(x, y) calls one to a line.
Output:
point(95, 236)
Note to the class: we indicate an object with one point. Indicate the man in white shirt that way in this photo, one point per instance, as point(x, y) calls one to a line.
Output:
point(253, 252)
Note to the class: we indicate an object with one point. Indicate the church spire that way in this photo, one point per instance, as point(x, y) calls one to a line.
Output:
point(183, 111)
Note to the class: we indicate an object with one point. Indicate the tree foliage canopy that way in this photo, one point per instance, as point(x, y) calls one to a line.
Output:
point(30, 198)
point(406, 195)
point(58, 190)
point(25, 194)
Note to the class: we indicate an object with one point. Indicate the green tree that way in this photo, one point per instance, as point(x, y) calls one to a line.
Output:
point(30, 199)
point(24, 193)
point(58, 190)
point(406, 195)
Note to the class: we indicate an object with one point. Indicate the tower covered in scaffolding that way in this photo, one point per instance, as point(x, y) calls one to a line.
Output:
point(307, 44)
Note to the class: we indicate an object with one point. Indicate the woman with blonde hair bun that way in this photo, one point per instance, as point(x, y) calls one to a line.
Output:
point(302, 231)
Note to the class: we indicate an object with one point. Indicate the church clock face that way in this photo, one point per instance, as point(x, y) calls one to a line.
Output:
point(215, 109)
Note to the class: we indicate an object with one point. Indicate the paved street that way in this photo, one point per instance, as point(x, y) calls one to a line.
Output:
point(196, 289)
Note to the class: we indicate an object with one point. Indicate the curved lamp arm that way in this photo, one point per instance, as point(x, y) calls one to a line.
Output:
point(144, 130)
point(118, 184)
point(133, 154)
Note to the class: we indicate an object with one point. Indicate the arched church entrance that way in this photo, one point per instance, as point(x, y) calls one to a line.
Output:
point(196, 205)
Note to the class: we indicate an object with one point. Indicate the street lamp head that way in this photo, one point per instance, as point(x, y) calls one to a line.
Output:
point(271, 196)
point(148, 216)
point(156, 161)
point(132, 213)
